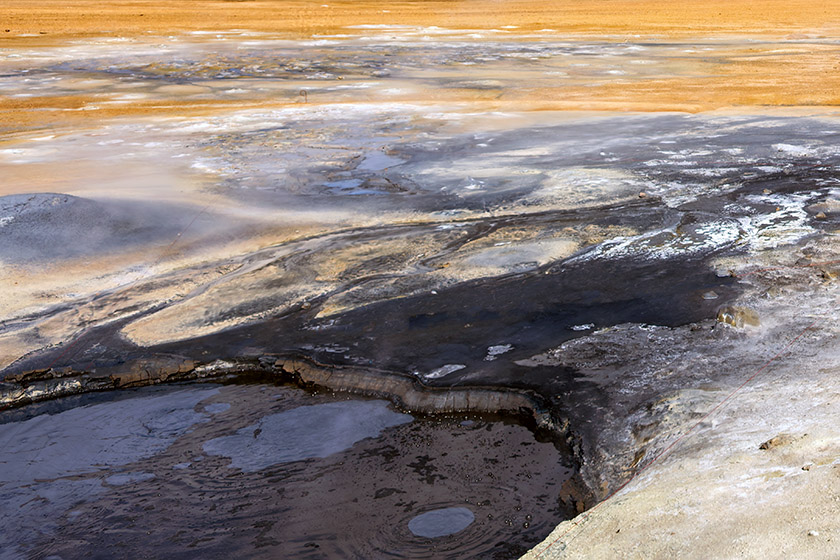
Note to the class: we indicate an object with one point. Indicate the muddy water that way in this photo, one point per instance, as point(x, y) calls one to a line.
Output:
point(269, 471)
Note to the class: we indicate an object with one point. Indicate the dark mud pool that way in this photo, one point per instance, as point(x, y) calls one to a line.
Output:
point(265, 471)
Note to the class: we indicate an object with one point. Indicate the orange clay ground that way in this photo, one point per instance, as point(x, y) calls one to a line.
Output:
point(804, 72)
point(697, 18)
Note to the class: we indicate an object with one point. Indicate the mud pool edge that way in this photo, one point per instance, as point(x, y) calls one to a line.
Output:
point(406, 393)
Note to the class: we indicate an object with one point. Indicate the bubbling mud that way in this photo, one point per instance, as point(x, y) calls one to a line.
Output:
point(266, 470)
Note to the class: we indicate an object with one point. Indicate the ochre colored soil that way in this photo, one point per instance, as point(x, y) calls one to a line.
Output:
point(75, 18)
point(802, 74)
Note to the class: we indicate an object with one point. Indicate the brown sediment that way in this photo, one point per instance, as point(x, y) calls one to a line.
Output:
point(416, 397)
point(406, 390)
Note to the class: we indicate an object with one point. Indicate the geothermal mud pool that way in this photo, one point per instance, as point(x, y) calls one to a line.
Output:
point(265, 471)
point(382, 214)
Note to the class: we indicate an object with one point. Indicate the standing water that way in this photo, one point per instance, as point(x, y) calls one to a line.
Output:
point(264, 471)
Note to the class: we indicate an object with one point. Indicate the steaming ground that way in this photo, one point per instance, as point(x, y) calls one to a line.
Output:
point(393, 201)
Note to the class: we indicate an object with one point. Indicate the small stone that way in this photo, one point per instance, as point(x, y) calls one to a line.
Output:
point(738, 316)
point(779, 440)
point(711, 294)
point(767, 191)
point(820, 216)
point(642, 194)
point(813, 533)
point(305, 305)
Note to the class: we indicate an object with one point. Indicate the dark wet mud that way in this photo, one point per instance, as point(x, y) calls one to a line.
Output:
point(245, 470)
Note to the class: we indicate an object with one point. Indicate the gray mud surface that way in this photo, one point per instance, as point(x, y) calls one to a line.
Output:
point(161, 485)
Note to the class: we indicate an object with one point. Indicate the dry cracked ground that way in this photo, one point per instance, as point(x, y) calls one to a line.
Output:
point(618, 222)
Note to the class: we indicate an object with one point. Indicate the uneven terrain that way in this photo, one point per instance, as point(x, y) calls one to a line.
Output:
point(615, 221)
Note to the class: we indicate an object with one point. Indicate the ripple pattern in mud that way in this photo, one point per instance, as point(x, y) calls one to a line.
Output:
point(441, 522)
point(357, 502)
